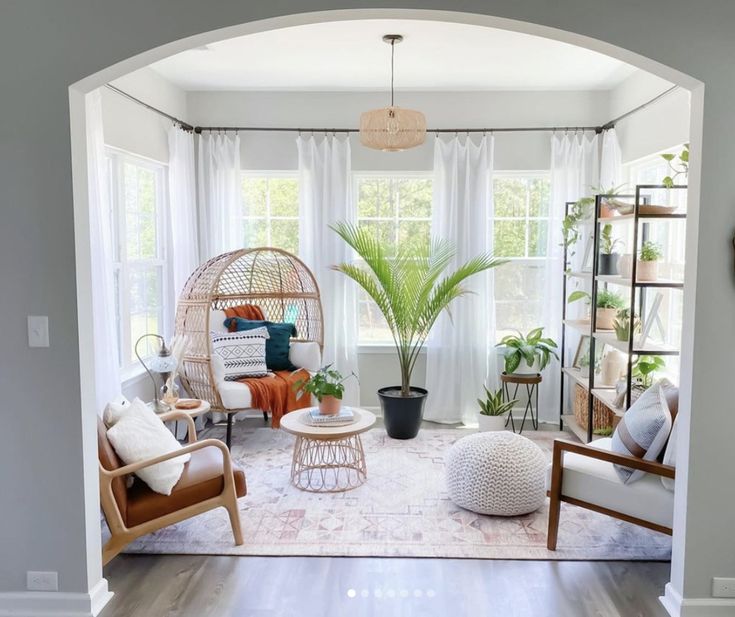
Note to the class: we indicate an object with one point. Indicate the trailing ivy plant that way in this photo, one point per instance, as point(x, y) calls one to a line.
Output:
point(580, 211)
point(678, 166)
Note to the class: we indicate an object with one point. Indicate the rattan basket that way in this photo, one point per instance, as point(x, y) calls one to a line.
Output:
point(602, 415)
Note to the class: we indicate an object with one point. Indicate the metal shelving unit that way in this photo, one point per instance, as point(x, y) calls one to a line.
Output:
point(638, 291)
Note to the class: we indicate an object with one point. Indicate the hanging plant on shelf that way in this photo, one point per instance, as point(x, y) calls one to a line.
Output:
point(579, 212)
point(678, 166)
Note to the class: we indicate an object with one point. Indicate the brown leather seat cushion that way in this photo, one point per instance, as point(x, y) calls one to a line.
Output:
point(202, 479)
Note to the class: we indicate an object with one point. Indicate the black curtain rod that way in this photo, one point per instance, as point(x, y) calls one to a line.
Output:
point(612, 123)
point(184, 125)
point(267, 129)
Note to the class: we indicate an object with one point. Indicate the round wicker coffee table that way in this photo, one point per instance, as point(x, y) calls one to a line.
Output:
point(327, 459)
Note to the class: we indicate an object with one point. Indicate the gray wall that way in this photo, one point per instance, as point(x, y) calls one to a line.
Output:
point(49, 502)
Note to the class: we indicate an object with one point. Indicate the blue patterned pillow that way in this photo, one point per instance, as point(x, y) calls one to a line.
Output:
point(642, 431)
point(243, 353)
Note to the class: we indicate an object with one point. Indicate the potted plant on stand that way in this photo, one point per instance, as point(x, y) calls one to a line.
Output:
point(492, 411)
point(648, 258)
point(411, 290)
point(527, 355)
point(327, 386)
point(608, 304)
point(608, 257)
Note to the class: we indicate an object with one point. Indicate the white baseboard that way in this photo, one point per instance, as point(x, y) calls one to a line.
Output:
point(677, 606)
point(55, 603)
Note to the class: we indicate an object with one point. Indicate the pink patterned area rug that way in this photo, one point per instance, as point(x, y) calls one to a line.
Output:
point(403, 510)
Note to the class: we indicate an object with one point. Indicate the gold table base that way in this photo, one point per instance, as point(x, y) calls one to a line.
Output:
point(328, 465)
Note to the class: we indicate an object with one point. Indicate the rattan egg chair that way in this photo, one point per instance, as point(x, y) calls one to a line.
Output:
point(276, 281)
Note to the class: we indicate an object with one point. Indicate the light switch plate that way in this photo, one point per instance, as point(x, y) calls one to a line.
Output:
point(38, 331)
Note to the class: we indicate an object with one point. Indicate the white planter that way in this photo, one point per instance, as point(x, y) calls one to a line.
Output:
point(625, 265)
point(522, 368)
point(647, 270)
point(489, 424)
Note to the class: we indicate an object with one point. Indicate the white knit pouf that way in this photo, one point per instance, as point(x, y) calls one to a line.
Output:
point(498, 473)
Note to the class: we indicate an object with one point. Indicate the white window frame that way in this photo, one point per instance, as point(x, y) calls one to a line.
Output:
point(257, 174)
point(122, 266)
point(380, 347)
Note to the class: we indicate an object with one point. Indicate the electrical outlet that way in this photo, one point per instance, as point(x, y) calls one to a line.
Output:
point(723, 587)
point(38, 331)
point(42, 581)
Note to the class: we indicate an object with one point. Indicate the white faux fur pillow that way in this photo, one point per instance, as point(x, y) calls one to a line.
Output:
point(138, 435)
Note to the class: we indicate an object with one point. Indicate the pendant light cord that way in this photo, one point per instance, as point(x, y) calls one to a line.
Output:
point(392, 54)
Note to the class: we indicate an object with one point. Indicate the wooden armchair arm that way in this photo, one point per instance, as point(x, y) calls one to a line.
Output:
point(178, 414)
point(199, 445)
point(654, 467)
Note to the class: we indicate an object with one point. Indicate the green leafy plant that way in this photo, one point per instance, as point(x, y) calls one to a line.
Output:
point(678, 166)
point(621, 325)
point(579, 212)
point(531, 348)
point(409, 286)
point(605, 431)
point(607, 242)
point(578, 295)
point(650, 251)
point(493, 405)
point(645, 367)
point(325, 382)
point(609, 300)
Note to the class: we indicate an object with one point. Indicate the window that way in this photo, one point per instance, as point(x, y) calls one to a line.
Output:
point(521, 228)
point(397, 207)
point(270, 210)
point(137, 195)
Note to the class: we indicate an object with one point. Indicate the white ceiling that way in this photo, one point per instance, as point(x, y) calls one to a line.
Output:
point(350, 55)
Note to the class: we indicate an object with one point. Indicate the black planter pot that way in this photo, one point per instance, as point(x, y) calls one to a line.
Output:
point(608, 263)
point(402, 414)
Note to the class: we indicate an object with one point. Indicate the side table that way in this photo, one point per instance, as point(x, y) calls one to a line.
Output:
point(531, 383)
point(203, 408)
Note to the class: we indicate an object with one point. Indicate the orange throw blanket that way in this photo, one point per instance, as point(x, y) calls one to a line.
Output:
point(245, 311)
point(275, 393)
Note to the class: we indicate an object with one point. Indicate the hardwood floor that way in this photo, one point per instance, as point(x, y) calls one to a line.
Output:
point(196, 586)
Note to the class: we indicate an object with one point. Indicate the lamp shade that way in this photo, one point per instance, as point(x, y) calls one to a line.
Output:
point(163, 364)
point(392, 128)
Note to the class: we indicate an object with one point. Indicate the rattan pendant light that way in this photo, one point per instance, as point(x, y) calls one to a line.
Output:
point(392, 128)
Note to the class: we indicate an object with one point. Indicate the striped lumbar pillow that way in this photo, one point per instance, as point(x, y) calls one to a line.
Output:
point(243, 353)
point(642, 431)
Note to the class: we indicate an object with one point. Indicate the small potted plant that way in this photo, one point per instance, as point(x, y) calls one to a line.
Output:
point(608, 305)
point(527, 355)
point(492, 410)
point(578, 295)
point(648, 258)
point(644, 369)
point(608, 257)
point(327, 386)
point(621, 324)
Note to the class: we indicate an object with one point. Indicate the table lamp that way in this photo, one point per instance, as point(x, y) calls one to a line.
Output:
point(164, 364)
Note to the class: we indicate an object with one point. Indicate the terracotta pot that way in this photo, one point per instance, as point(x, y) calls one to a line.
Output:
point(647, 270)
point(489, 424)
point(606, 212)
point(329, 405)
point(605, 318)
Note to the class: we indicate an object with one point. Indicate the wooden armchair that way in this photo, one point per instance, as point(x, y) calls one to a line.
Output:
point(209, 480)
point(584, 476)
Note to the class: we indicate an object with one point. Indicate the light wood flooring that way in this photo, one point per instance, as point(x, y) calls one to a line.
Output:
point(197, 586)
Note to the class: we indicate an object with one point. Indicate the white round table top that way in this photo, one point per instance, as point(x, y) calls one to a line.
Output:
point(203, 407)
point(296, 423)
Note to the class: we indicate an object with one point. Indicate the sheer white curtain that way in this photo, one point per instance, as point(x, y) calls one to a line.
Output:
point(182, 213)
point(325, 197)
point(460, 354)
point(574, 171)
point(611, 161)
point(106, 352)
point(220, 193)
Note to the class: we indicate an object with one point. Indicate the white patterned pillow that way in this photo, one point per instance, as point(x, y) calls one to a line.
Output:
point(642, 431)
point(243, 353)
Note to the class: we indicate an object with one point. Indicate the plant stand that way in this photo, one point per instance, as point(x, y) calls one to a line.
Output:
point(531, 383)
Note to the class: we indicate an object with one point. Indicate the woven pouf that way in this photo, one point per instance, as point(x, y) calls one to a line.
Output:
point(498, 473)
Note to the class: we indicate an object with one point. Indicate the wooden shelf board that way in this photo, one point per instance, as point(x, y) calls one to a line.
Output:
point(608, 338)
point(622, 281)
point(581, 377)
point(579, 325)
point(614, 279)
point(619, 218)
point(579, 275)
point(571, 424)
point(607, 396)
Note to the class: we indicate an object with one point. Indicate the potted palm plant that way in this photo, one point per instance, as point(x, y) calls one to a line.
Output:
point(492, 410)
point(527, 355)
point(411, 289)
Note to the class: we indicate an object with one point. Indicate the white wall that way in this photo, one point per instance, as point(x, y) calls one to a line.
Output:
point(660, 126)
point(51, 522)
point(513, 151)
